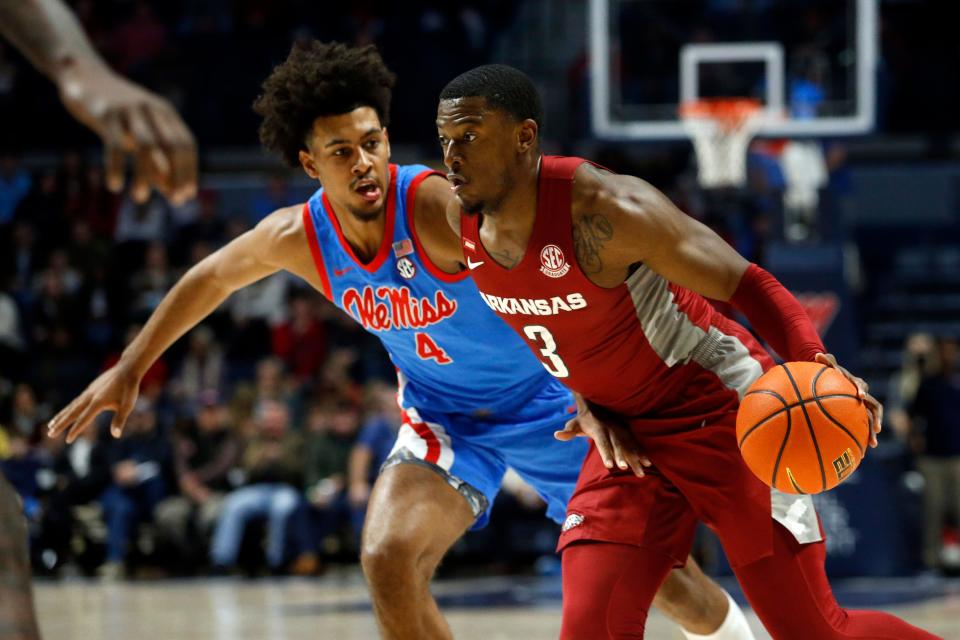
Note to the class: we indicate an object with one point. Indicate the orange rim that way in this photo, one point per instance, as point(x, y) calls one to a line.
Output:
point(729, 113)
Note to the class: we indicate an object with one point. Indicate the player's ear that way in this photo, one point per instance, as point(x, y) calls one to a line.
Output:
point(309, 164)
point(386, 140)
point(527, 135)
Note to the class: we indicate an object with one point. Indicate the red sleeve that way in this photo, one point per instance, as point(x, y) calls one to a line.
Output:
point(776, 316)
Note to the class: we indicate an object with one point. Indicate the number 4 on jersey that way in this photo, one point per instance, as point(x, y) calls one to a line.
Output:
point(427, 349)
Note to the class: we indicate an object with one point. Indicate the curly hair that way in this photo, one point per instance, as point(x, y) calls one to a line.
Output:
point(319, 79)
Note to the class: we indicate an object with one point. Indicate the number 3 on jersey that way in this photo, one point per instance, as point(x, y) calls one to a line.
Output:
point(427, 349)
point(556, 367)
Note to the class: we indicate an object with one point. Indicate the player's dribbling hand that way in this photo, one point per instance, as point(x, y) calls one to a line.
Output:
point(873, 405)
point(133, 121)
point(114, 390)
point(614, 442)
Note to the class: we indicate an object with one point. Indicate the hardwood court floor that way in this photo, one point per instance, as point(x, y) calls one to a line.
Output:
point(336, 607)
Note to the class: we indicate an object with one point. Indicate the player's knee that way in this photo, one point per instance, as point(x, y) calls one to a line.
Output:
point(394, 559)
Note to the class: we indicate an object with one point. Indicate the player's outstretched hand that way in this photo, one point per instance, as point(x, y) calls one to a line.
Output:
point(133, 121)
point(114, 390)
point(614, 442)
point(873, 405)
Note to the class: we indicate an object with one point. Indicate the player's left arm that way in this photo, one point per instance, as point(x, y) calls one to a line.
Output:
point(622, 221)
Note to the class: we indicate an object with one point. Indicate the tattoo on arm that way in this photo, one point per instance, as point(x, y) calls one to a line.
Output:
point(590, 233)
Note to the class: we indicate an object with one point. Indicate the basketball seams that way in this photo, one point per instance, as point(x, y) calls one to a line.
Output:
point(829, 417)
point(787, 407)
point(813, 435)
point(783, 446)
point(767, 392)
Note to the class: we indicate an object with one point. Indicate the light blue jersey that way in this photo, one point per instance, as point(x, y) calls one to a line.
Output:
point(456, 355)
point(474, 399)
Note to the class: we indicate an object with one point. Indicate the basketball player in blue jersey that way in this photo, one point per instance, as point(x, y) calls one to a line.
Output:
point(375, 241)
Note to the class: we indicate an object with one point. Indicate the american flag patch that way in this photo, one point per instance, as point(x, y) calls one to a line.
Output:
point(469, 245)
point(403, 248)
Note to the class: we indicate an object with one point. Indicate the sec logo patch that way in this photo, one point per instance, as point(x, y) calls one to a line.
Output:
point(406, 268)
point(552, 262)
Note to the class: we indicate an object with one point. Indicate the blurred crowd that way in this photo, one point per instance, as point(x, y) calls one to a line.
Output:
point(921, 407)
point(256, 438)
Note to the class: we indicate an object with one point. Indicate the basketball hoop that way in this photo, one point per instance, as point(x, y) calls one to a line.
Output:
point(721, 130)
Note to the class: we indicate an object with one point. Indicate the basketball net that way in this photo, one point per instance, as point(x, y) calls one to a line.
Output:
point(721, 130)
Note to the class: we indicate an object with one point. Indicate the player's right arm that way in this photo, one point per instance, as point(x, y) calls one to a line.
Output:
point(274, 244)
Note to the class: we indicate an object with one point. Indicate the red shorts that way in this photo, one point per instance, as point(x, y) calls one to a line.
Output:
point(697, 474)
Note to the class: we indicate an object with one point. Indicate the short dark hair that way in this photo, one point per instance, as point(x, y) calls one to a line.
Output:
point(319, 79)
point(503, 87)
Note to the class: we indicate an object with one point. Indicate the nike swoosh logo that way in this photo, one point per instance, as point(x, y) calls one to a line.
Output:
point(340, 272)
point(472, 264)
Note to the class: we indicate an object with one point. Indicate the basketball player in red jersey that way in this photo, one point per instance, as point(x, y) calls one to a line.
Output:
point(606, 279)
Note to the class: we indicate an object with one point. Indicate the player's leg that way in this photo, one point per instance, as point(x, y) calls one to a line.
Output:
point(781, 570)
point(698, 604)
point(608, 588)
point(790, 592)
point(414, 516)
point(687, 596)
point(17, 620)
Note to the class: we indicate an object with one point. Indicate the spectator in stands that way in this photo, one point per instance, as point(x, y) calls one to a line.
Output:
point(139, 40)
point(26, 415)
point(82, 471)
point(97, 207)
point(151, 283)
point(917, 362)
point(271, 382)
point(15, 184)
point(140, 466)
point(273, 462)
point(936, 428)
point(58, 263)
point(141, 223)
point(102, 307)
point(43, 208)
point(21, 423)
point(205, 452)
point(202, 368)
point(372, 447)
point(253, 310)
point(86, 252)
point(21, 261)
point(331, 432)
point(12, 344)
point(301, 341)
point(207, 227)
point(55, 313)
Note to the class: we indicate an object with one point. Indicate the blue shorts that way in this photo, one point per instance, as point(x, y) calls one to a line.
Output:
point(473, 452)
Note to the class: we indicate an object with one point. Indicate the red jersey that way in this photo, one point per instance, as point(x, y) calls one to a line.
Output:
point(634, 348)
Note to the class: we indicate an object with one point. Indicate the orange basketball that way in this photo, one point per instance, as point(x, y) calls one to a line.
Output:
point(802, 427)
